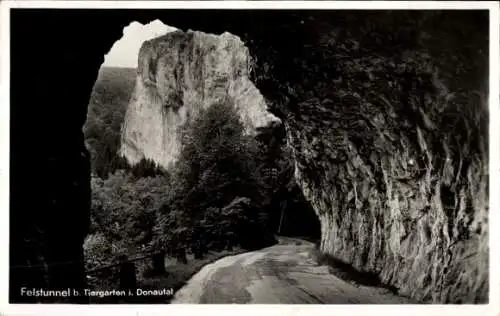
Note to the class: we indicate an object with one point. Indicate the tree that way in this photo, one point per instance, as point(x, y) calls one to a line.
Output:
point(217, 165)
point(217, 159)
point(147, 168)
point(124, 210)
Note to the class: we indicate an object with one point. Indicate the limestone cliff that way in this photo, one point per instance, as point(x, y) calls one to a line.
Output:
point(178, 74)
point(387, 116)
point(429, 242)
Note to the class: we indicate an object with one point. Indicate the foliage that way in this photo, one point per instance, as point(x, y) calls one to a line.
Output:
point(221, 191)
point(123, 211)
point(146, 168)
point(217, 183)
point(217, 158)
point(106, 112)
point(98, 250)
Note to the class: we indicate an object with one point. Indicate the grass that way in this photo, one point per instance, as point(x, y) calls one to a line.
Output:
point(176, 276)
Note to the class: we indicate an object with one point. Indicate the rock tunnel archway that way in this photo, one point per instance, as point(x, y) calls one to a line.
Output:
point(55, 64)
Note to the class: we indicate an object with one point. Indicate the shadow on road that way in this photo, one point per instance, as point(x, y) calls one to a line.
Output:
point(347, 272)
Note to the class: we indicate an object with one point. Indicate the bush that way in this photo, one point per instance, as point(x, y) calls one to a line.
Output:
point(100, 251)
point(124, 209)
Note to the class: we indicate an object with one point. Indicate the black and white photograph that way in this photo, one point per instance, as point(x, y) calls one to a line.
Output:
point(183, 155)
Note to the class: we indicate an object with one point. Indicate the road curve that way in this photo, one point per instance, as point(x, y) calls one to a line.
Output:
point(281, 274)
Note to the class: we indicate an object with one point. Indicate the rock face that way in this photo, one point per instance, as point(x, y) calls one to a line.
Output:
point(397, 208)
point(391, 147)
point(383, 205)
point(178, 74)
point(390, 143)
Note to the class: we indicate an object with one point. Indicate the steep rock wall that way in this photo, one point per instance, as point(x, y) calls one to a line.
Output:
point(295, 55)
point(387, 117)
point(179, 74)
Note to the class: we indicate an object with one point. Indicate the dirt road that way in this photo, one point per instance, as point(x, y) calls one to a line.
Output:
point(281, 274)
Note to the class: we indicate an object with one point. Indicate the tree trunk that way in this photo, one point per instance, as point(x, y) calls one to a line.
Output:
point(159, 263)
point(128, 281)
point(181, 255)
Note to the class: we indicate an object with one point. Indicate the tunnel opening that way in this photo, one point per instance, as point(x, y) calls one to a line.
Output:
point(142, 77)
point(60, 183)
